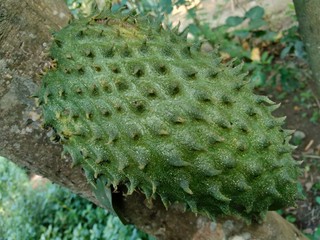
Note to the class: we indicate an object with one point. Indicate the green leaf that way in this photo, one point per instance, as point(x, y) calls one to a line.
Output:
point(318, 200)
point(299, 49)
point(255, 13)
point(316, 186)
point(317, 233)
point(234, 21)
point(104, 194)
point(258, 79)
point(166, 5)
point(181, 2)
point(285, 51)
point(269, 36)
point(241, 33)
point(291, 219)
point(194, 30)
point(192, 13)
point(264, 57)
point(256, 24)
point(280, 211)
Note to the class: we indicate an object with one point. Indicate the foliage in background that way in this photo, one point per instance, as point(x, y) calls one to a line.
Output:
point(48, 211)
point(270, 57)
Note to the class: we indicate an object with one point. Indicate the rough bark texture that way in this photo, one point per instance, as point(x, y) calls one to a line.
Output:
point(308, 13)
point(25, 34)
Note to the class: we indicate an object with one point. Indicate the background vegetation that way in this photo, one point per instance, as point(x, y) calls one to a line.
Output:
point(42, 210)
point(276, 63)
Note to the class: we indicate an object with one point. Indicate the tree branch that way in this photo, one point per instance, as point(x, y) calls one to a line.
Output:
point(308, 13)
point(25, 30)
point(25, 34)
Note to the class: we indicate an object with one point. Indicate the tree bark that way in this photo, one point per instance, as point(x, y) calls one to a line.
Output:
point(25, 35)
point(308, 13)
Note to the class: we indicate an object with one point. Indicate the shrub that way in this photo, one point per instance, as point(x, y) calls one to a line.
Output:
point(52, 212)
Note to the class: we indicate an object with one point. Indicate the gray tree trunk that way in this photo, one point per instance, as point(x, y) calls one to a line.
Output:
point(25, 35)
point(308, 13)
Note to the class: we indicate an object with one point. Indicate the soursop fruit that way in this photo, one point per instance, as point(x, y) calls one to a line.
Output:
point(143, 107)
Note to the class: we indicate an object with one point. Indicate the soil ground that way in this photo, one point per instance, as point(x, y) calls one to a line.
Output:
point(306, 215)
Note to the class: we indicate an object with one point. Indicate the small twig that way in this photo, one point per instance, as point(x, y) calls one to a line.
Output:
point(232, 6)
point(311, 156)
point(317, 100)
point(296, 156)
point(309, 145)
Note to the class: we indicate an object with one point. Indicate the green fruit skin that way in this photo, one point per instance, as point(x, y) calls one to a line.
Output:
point(147, 109)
